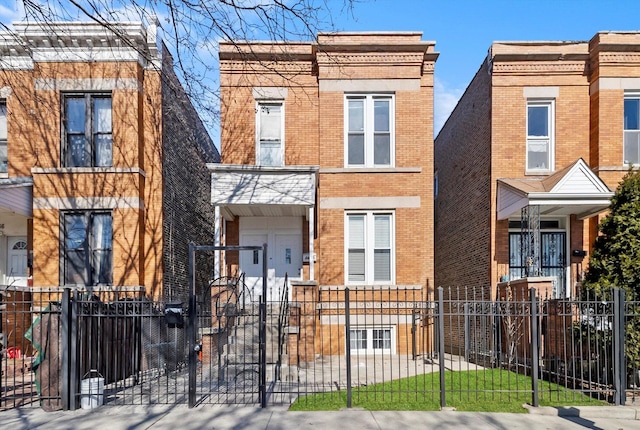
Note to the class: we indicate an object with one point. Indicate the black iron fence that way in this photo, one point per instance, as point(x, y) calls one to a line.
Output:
point(316, 344)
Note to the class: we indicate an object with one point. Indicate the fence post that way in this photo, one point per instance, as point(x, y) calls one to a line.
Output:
point(347, 327)
point(443, 400)
point(65, 353)
point(192, 326)
point(535, 350)
point(262, 374)
point(619, 353)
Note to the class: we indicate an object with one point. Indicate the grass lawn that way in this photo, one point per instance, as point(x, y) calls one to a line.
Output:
point(490, 390)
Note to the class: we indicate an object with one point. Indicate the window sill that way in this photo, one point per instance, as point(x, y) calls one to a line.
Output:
point(538, 172)
point(4, 175)
point(90, 170)
point(372, 170)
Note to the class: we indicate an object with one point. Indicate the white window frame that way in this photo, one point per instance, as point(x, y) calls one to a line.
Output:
point(550, 104)
point(633, 95)
point(369, 247)
point(369, 349)
point(369, 129)
point(259, 105)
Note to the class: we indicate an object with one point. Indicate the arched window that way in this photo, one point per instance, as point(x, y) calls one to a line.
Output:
point(21, 244)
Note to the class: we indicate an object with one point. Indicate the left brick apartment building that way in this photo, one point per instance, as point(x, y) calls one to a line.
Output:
point(103, 178)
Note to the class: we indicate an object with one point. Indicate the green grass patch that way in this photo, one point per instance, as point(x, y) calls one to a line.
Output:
point(490, 390)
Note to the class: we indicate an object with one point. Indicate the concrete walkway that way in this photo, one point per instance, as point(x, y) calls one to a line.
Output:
point(225, 417)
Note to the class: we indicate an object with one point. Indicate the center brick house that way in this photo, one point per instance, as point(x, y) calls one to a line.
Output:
point(327, 157)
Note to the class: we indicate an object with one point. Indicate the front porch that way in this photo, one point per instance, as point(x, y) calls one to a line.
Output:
point(256, 205)
point(540, 222)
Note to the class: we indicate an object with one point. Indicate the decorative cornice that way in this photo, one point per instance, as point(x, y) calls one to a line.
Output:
point(540, 67)
point(79, 42)
point(267, 67)
point(619, 57)
point(370, 58)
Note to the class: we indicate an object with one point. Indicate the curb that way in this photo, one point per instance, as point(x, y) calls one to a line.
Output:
point(615, 412)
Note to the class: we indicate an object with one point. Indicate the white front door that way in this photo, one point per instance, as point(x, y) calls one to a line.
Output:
point(288, 255)
point(251, 264)
point(283, 237)
point(17, 261)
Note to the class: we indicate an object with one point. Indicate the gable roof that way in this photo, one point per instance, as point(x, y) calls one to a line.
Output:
point(574, 190)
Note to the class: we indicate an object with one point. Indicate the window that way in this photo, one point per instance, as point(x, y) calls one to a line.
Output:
point(540, 136)
point(372, 340)
point(270, 124)
point(632, 129)
point(87, 130)
point(3, 136)
point(369, 249)
point(87, 258)
point(369, 135)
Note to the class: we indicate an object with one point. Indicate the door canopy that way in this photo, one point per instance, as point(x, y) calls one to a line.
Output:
point(574, 190)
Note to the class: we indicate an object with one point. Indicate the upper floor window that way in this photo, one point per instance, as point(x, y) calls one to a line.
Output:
point(540, 145)
point(369, 130)
point(270, 126)
point(369, 248)
point(632, 129)
point(87, 248)
point(87, 130)
point(3, 136)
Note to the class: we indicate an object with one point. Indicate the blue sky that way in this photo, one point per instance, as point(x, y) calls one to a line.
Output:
point(464, 29)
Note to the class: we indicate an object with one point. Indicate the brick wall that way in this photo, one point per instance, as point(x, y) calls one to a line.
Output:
point(187, 213)
point(463, 163)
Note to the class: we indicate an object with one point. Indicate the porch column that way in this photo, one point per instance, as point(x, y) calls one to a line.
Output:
point(311, 233)
point(216, 241)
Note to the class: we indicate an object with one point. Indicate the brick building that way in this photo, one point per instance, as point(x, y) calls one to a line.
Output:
point(327, 158)
point(527, 160)
point(103, 178)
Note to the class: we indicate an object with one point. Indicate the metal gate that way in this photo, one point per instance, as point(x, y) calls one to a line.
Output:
point(227, 334)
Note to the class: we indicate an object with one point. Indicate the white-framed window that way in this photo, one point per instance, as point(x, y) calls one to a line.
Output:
point(370, 340)
point(369, 248)
point(270, 133)
point(540, 136)
point(88, 136)
point(632, 129)
point(3, 136)
point(369, 130)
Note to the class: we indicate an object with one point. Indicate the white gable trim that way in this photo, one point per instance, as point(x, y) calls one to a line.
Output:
point(579, 192)
point(580, 179)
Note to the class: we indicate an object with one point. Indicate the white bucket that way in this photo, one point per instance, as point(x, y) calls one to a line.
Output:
point(91, 392)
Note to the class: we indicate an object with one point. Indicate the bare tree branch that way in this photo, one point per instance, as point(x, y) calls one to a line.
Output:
point(193, 28)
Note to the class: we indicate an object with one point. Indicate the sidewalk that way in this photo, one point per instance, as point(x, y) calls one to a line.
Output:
point(225, 417)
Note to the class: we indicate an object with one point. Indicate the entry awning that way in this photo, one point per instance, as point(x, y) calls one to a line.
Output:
point(245, 190)
point(16, 195)
point(574, 190)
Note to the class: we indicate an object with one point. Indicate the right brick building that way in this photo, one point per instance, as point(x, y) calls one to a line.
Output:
point(527, 161)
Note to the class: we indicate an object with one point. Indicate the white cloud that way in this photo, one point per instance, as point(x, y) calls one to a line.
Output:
point(9, 14)
point(445, 100)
